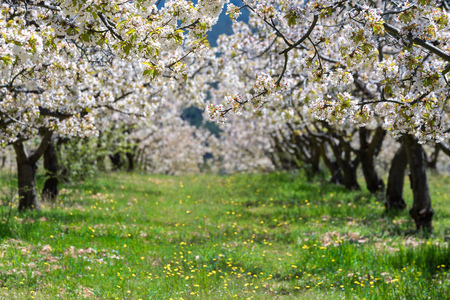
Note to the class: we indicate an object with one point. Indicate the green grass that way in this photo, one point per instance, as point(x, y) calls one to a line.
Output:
point(273, 236)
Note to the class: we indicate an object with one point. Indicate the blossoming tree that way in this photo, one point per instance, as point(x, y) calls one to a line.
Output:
point(353, 61)
point(48, 50)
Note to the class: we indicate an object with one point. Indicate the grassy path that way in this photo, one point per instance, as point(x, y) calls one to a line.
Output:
point(210, 237)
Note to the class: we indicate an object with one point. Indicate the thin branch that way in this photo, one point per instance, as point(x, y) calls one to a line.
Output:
point(121, 111)
point(184, 56)
point(286, 57)
point(394, 12)
point(303, 38)
point(190, 25)
point(267, 49)
point(419, 98)
point(110, 28)
point(316, 52)
point(396, 32)
point(48, 6)
point(381, 101)
point(123, 96)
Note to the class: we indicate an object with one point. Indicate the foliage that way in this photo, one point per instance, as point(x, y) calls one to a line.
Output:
point(79, 158)
point(55, 57)
point(339, 61)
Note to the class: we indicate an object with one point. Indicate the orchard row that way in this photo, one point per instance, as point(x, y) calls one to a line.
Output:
point(301, 82)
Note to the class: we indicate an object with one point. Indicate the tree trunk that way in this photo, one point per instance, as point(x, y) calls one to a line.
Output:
point(350, 176)
point(432, 160)
point(101, 156)
point(116, 160)
point(284, 158)
point(63, 171)
point(396, 180)
point(315, 162)
point(51, 166)
point(374, 183)
point(26, 171)
point(332, 166)
point(445, 148)
point(343, 155)
point(367, 154)
point(336, 174)
point(130, 158)
point(421, 212)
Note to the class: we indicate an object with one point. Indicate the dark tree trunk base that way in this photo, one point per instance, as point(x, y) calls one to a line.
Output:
point(395, 203)
point(350, 179)
point(423, 219)
point(130, 158)
point(368, 152)
point(50, 190)
point(27, 186)
point(116, 160)
point(26, 172)
point(421, 212)
point(336, 173)
point(396, 181)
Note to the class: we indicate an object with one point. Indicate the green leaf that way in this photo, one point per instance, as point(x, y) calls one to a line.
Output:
point(121, 23)
point(132, 30)
point(152, 73)
point(6, 60)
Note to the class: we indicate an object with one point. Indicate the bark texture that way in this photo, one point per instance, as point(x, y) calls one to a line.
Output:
point(421, 212)
point(350, 176)
point(432, 159)
point(396, 181)
point(116, 160)
point(344, 153)
point(51, 166)
point(332, 166)
point(368, 152)
point(26, 171)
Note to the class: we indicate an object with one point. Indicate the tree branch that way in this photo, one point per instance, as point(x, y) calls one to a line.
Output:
point(41, 149)
point(48, 113)
point(110, 28)
point(303, 38)
point(396, 32)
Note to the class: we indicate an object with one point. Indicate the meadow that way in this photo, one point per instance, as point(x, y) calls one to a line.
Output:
point(273, 236)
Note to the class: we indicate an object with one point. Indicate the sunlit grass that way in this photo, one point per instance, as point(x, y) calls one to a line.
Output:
point(210, 237)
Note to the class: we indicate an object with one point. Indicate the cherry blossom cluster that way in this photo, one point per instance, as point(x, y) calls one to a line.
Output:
point(344, 62)
point(233, 11)
point(64, 65)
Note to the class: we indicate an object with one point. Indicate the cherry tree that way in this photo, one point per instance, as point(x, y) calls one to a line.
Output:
point(122, 95)
point(167, 144)
point(244, 145)
point(48, 50)
point(352, 62)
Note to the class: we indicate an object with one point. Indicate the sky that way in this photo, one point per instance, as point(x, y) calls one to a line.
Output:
point(223, 26)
